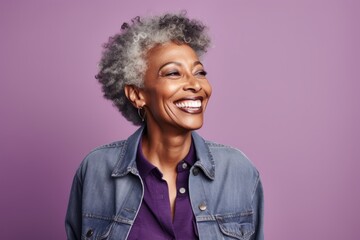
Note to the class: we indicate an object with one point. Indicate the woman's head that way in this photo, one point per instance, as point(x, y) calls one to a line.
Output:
point(124, 60)
point(175, 92)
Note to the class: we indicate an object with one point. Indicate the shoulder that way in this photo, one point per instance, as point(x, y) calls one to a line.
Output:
point(231, 158)
point(109, 148)
point(102, 158)
point(233, 168)
point(106, 151)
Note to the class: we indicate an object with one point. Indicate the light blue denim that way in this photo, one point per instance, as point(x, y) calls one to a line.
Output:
point(225, 191)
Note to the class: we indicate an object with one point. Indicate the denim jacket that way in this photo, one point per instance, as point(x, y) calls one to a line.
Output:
point(225, 192)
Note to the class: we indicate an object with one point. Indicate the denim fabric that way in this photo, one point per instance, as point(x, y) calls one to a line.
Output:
point(225, 192)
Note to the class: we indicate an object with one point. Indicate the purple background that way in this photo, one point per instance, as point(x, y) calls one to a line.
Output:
point(285, 78)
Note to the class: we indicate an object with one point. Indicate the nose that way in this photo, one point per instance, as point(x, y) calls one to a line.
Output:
point(192, 84)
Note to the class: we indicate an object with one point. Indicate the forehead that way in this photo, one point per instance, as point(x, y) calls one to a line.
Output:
point(171, 51)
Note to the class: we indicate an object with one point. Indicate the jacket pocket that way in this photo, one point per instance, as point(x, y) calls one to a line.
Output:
point(96, 228)
point(236, 225)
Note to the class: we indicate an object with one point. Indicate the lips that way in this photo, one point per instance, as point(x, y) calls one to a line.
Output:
point(190, 105)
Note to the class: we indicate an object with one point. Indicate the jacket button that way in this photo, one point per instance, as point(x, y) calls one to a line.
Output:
point(195, 171)
point(89, 233)
point(202, 206)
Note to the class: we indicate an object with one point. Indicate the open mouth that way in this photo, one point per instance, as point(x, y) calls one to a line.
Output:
point(190, 105)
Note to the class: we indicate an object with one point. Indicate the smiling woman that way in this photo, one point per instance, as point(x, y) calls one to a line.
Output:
point(164, 181)
point(175, 92)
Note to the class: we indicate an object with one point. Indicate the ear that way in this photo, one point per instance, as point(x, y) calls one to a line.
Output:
point(135, 96)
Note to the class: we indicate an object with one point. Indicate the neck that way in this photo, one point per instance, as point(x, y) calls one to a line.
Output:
point(165, 149)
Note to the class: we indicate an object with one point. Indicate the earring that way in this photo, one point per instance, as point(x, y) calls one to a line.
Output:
point(142, 116)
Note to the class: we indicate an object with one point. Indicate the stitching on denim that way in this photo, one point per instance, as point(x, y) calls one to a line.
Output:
point(130, 210)
point(122, 220)
point(206, 218)
point(231, 215)
point(246, 237)
point(214, 144)
point(113, 218)
point(221, 217)
point(89, 215)
point(218, 145)
point(110, 145)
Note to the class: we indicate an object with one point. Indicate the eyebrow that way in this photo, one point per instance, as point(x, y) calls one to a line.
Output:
point(178, 64)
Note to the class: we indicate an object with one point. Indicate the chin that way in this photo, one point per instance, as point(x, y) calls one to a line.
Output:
point(191, 125)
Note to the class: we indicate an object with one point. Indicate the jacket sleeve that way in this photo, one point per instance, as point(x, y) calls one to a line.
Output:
point(258, 206)
point(73, 218)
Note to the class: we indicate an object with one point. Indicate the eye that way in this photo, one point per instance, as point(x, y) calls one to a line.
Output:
point(201, 73)
point(172, 74)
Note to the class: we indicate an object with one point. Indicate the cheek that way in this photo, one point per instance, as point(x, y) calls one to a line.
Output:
point(207, 88)
point(152, 100)
point(160, 95)
point(169, 90)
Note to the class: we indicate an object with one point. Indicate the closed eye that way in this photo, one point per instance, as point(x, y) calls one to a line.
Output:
point(201, 73)
point(170, 74)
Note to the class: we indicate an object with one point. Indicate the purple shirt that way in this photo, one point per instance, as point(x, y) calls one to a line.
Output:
point(154, 218)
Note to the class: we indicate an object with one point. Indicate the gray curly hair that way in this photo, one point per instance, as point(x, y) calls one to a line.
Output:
point(123, 60)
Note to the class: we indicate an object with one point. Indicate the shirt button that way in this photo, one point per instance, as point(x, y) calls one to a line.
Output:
point(89, 233)
point(195, 171)
point(182, 190)
point(184, 165)
point(202, 206)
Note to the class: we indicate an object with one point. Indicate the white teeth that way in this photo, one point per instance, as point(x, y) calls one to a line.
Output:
point(189, 104)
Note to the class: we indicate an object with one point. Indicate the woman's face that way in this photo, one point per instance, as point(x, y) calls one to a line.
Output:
point(176, 90)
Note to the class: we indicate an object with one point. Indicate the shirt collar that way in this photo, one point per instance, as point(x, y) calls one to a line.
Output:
point(127, 157)
point(145, 167)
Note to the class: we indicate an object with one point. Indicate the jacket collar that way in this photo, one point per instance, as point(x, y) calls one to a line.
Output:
point(127, 158)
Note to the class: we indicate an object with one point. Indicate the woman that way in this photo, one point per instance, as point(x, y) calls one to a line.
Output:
point(164, 181)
